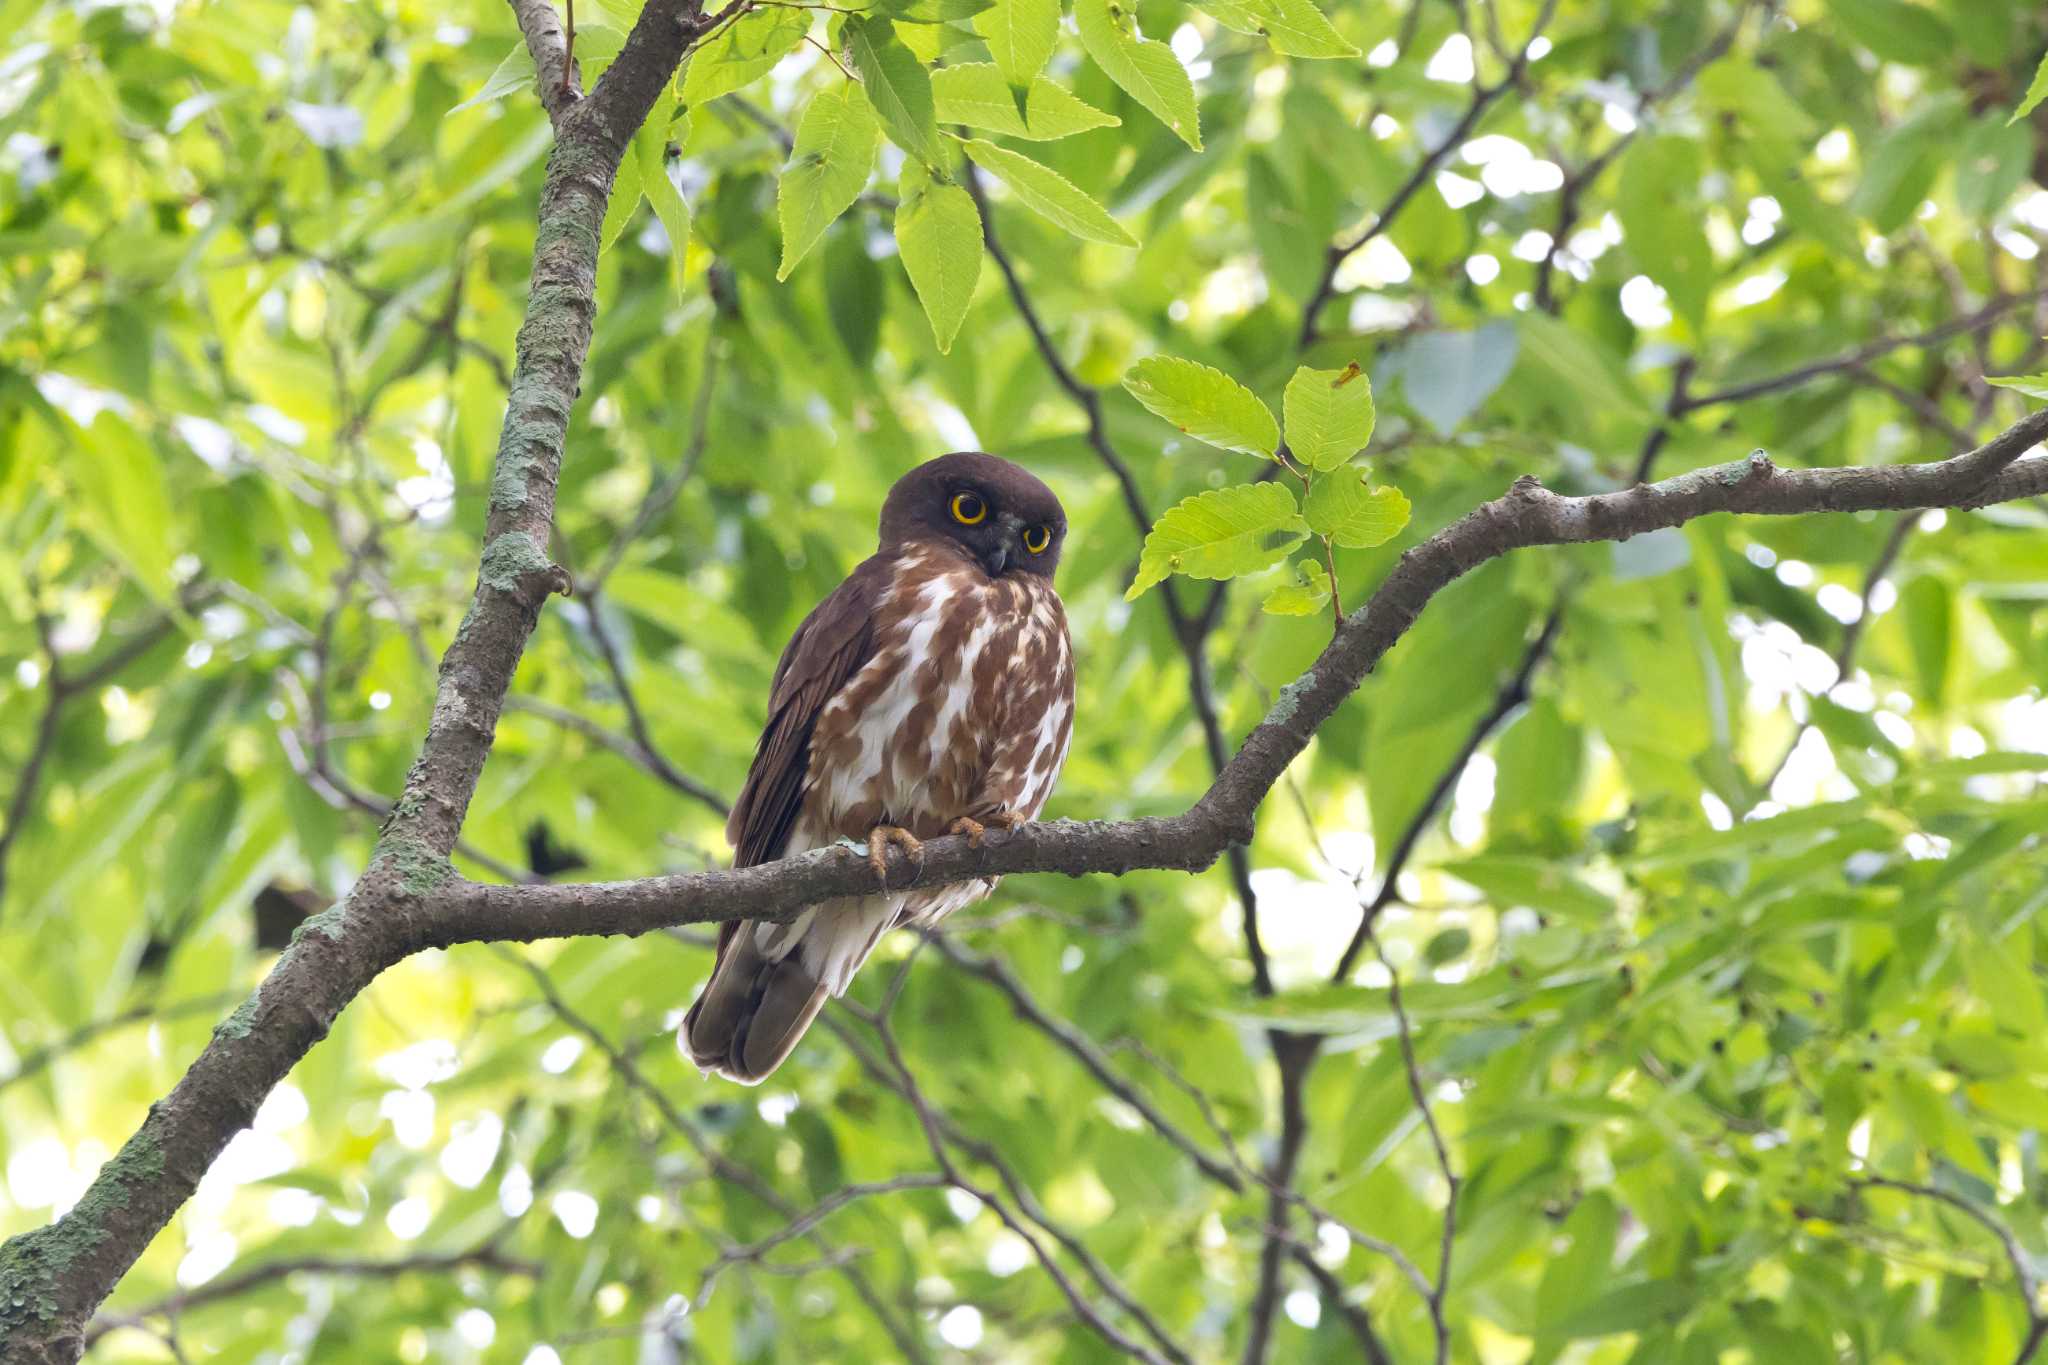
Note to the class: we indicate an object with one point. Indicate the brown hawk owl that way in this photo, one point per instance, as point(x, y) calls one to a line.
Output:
point(931, 693)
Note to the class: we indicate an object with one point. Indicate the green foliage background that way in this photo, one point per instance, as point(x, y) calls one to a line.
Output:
point(1674, 998)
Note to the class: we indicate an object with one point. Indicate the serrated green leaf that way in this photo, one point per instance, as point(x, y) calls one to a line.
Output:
point(745, 49)
point(625, 202)
point(828, 166)
point(1298, 29)
point(513, 74)
point(1222, 533)
point(1304, 597)
point(1147, 70)
point(2032, 385)
point(1020, 36)
point(1293, 27)
point(973, 93)
point(1205, 403)
point(898, 86)
point(650, 149)
point(938, 235)
point(934, 11)
point(1329, 415)
point(1049, 194)
point(2036, 92)
point(1346, 507)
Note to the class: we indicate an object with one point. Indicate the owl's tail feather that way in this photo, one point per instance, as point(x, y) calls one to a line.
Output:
point(769, 984)
point(752, 1011)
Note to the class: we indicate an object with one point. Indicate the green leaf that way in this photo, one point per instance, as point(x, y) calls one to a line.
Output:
point(1659, 211)
point(933, 11)
point(2036, 92)
point(1627, 1306)
point(1990, 164)
point(1344, 506)
point(1307, 595)
point(513, 74)
point(828, 166)
point(2005, 983)
point(898, 86)
point(1896, 30)
point(1020, 36)
point(974, 94)
point(1207, 404)
point(1049, 194)
point(938, 234)
point(650, 149)
point(1446, 375)
point(1899, 171)
point(1539, 883)
point(625, 202)
point(1929, 615)
point(854, 294)
point(2032, 385)
point(123, 500)
point(1147, 70)
point(1329, 415)
point(1222, 533)
point(1294, 27)
point(745, 49)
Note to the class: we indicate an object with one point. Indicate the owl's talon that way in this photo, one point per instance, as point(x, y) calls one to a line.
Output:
point(969, 826)
point(879, 839)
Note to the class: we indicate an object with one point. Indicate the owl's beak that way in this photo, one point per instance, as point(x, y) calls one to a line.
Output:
point(1003, 553)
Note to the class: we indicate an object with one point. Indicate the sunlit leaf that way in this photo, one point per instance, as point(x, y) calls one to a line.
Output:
point(829, 165)
point(1020, 36)
point(898, 86)
point(1304, 597)
point(973, 93)
point(938, 232)
point(1205, 403)
point(1146, 69)
point(1220, 534)
point(1345, 506)
point(743, 50)
point(1328, 415)
point(1049, 194)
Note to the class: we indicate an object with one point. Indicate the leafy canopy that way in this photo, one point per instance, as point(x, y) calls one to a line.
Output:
point(1718, 851)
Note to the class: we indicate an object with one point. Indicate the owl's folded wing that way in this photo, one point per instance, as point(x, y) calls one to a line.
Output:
point(826, 651)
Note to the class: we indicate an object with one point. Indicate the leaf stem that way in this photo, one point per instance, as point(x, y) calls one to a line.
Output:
point(1336, 592)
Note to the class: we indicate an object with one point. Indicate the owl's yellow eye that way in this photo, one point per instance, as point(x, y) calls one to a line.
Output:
point(1037, 538)
point(968, 509)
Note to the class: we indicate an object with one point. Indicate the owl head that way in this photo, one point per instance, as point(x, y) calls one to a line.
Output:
point(999, 513)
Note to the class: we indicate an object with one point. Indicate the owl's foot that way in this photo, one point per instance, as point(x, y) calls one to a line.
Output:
point(879, 839)
point(975, 829)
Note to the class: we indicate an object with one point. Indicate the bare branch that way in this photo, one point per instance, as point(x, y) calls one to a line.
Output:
point(486, 1257)
point(1085, 1051)
point(559, 84)
point(1452, 1184)
point(2016, 1255)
